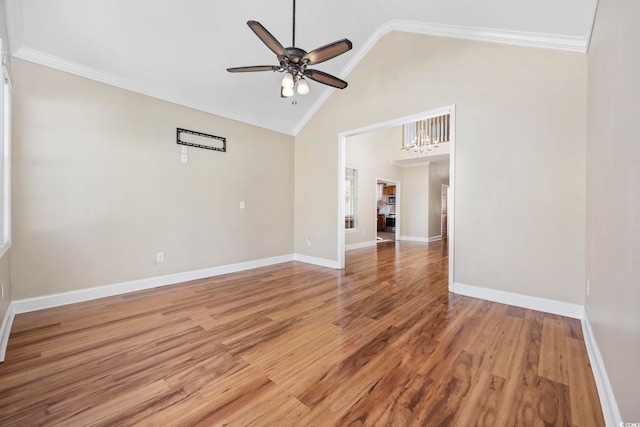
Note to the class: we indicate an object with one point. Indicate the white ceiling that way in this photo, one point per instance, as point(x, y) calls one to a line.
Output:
point(178, 50)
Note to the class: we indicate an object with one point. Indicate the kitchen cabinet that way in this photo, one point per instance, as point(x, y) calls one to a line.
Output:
point(388, 191)
point(380, 224)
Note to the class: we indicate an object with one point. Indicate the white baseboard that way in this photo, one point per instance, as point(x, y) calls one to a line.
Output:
point(5, 330)
point(420, 239)
point(414, 239)
point(560, 308)
point(323, 262)
point(360, 245)
point(610, 410)
point(64, 298)
point(608, 402)
point(55, 300)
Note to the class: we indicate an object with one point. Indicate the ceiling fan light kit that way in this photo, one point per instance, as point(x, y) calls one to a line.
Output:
point(294, 62)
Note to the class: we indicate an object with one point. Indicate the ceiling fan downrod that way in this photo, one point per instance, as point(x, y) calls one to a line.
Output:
point(293, 43)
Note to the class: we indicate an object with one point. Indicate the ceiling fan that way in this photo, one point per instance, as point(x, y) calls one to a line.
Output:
point(294, 62)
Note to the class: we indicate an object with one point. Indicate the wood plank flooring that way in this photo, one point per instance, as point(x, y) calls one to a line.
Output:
point(380, 343)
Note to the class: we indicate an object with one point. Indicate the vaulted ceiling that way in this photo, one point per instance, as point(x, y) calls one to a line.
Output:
point(178, 50)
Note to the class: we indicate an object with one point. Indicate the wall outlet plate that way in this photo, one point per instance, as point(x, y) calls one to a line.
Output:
point(160, 257)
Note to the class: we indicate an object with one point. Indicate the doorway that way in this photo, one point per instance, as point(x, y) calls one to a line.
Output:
point(387, 220)
point(342, 140)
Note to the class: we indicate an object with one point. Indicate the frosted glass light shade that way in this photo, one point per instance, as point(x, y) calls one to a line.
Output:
point(287, 81)
point(287, 91)
point(303, 87)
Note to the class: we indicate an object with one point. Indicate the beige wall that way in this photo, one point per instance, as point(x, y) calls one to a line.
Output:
point(98, 187)
point(520, 159)
point(613, 197)
point(415, 202)
point(369, 152)
point(438, 176)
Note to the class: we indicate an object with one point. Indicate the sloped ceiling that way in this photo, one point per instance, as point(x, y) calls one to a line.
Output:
point(179, 50)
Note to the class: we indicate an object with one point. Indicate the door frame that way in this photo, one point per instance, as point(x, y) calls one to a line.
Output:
point(342, 154)
point(398, 209)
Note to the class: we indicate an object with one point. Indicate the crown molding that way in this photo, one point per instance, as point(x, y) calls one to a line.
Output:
point(492, 35)
point(519, 38)
point(70, 67)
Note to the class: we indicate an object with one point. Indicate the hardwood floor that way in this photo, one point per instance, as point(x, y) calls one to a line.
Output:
point(381, 343)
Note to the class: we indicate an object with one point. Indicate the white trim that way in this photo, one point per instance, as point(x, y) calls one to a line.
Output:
point(55, 300)
point(5, 330)
point(342, 164)
point(560, 308)
point(322, 262)
point(492, 35)
point(64, 298)
point(414, 239)
point(360, 245)
point(610, 411)
point(451, 202)
point(520, 38)
point(54, 62)
point(420, 239)
point(5, 155)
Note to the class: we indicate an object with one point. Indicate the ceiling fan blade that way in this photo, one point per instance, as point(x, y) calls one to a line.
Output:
point(267, 38)
point(325, 79)
point(327, 52)
point(253, 68)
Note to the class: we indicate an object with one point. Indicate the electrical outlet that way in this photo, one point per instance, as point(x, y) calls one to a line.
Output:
point(242, 205)
point(308, 241)
point(588, 286)
point(160, 257)
point(184, 158)
point(184, 150)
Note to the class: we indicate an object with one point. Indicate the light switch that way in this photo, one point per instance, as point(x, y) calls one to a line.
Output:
point(184, 158)
point(242, 205)
point(184, 150)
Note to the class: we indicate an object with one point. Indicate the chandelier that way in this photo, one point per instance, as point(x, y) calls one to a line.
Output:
point(422, 138)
